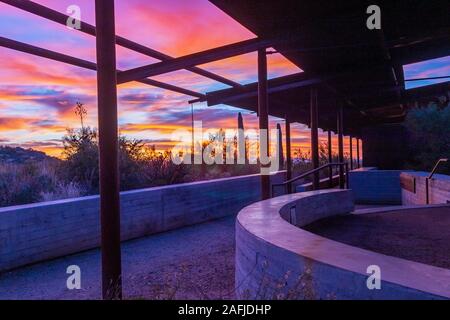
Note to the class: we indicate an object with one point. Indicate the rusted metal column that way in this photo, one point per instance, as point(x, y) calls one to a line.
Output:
point(263, 113)
point(288, 154)
point(350, 140)
point(340, 126)
point(280, 147)
point(242, 148)
point(357, 153)
point(108, 150)
point(330, 160)
point(314, 137)
point(192, 138)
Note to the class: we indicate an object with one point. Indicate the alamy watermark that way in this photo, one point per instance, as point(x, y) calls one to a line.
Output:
point(74, 19)
point(192, 148)
point(373, 22)
point(74, 280)
point(374, 279)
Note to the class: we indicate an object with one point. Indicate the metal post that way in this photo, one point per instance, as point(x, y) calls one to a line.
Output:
point(330, 160)
point(288, 154)
point(280, 147)
point(357, 153)
point(108, 150)
point(241, 140)
point(340, 126)
point(350, 138)
point(314, 137)
point(192, 136)
point(263, 114)
point(347, 180)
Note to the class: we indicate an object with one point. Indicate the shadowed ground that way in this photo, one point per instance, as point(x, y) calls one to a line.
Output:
point(191, 263)
point(421, 235)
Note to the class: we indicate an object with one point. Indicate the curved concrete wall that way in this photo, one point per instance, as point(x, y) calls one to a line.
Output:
point(36, 232)
point(277, 260)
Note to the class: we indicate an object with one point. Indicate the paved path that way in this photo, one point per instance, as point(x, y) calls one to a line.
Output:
point(195, 262)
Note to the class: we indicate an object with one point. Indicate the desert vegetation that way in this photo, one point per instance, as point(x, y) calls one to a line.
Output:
point(429, 131)
point(28, 176)
point(41, 178)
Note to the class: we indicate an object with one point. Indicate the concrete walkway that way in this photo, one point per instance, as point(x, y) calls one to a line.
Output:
point(195, 262)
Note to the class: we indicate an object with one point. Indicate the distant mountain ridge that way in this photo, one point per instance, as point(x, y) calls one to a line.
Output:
point(18, 155)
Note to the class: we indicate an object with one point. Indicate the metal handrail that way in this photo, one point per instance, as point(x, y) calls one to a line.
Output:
point(312, 171)
point(427, 188)
point(436, 166)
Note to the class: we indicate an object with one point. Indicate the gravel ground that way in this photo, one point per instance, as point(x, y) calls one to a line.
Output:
point(195, 262)
point(421, 235)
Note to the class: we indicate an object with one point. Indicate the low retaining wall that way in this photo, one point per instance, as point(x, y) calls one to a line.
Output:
point(278, 260)
point(37, 232)
point(414, 188)
point(371, 186)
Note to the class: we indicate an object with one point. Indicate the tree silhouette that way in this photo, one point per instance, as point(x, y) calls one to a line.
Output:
point(81, 112)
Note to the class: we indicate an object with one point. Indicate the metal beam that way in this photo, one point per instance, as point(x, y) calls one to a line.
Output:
point(288, 153)
point(357, 153)
point(56, 56)
point(330, 160)
point(194, 59)
point(108, 150)
point(340, 126)
point(292, 81)
point(280, 147)
point(55, 16)
point(263, 113)
point(274, 85)
point(431, 48)
point(314, 136)
point(350, 140)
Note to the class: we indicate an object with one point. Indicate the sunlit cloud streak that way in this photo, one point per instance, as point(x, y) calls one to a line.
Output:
point(37, 95)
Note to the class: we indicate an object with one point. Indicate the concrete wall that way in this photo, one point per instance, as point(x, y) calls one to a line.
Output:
point(277, 260)
point(439, 189)
point(371, 186)
point(36, 232)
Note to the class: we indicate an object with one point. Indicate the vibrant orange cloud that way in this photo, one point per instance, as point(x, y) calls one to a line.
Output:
point(175, 27)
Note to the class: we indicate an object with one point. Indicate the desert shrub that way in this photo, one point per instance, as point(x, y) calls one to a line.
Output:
point(81, 158)
point(140, 165)
point(429, 132)
point(62, 191)
point(24, 183)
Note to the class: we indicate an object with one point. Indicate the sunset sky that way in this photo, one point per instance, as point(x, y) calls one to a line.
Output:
point(37, 96)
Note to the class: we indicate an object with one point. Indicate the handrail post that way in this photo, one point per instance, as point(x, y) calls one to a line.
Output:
point(346, 176)
point(357, 153)
point(330, 160)
point(288, 154)
point(350, 141)
point(340, 127)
